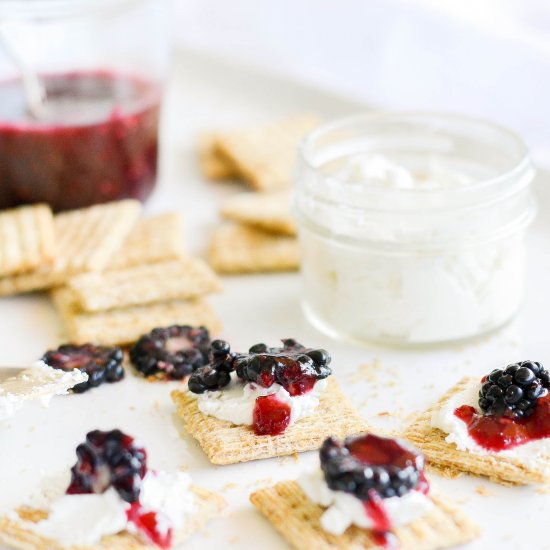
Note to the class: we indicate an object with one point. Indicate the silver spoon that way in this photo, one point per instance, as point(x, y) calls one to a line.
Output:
point(35, 94)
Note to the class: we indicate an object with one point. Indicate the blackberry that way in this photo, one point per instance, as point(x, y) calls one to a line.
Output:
point(293, 366)
point(101, 364)
point(369, 466)
point(109, 459)
point(208, 379)
point(514, 391)
point(217, 374)
point(175, 351)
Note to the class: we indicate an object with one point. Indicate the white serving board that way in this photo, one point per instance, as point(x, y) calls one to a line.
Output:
point(37, 442)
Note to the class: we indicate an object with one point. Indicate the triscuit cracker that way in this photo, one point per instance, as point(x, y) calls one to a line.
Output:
point(267, 211)
point(213, 165)
point(160, 282)
point(227, 443)
point(265, 156)
point(238, 248)
point(86, 239)
point(297, 518)
point(445, 456)
point(125, 326)
point(27, 239)
point(15, 534)
point(155, 239)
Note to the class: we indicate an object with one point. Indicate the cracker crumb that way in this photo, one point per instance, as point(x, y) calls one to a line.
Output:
point(384, 413)
point(368, 371)
point(229, 486)
point(184, 468)
point(483, 491)
point(262, 481)
point(296, 457)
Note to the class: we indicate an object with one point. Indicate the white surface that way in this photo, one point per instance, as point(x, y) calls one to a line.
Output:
point(39, 441)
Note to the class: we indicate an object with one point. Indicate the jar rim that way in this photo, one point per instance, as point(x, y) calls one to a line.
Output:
point(59, 9)
point(523, 165)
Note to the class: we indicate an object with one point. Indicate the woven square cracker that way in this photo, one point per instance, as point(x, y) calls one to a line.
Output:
point(297, 518)
point(267, 211)
point(14, 534)
point(27, 239)
point(239, 248)
point(227, 443)
point(265, 156)
point(125, 326)
point(160, 282)
point(213, 165)
point(86, 239)
point(447, 458)
point(155, 239)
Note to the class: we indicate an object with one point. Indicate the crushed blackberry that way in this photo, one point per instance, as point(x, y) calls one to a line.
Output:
point(369, 466)
point(293, 366)
point(514, 392)
point(101, 364)
point(208, 379)
point(109, 459)
point(175, 351)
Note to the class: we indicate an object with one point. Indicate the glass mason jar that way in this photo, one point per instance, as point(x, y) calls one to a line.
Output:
point(80, 93)
point(412, 227)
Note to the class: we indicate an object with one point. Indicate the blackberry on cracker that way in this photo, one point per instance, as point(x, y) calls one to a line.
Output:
point(513, 392)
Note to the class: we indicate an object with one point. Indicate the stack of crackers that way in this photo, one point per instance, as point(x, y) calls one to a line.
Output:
point(112, 276)
point(258, 233)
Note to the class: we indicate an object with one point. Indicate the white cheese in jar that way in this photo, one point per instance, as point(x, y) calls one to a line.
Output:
point(412, 226)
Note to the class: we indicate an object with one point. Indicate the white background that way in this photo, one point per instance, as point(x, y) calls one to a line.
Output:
point(481, 57)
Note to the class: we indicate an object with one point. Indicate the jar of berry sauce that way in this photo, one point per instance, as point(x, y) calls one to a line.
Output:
point(80, 94)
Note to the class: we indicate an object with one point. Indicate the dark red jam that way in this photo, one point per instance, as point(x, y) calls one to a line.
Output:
point(294, 381)
point(153, 526)
point(498, 433)
point(271, 416)
point(97, 141)
point(381, 451)
point(376, 511)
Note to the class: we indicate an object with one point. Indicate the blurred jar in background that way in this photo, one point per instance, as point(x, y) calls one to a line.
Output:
point(412, 227)
point(80, 94)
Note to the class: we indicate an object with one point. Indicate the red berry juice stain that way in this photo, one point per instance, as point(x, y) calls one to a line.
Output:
point(148, 522)
point(271, 416)
point(498, 433)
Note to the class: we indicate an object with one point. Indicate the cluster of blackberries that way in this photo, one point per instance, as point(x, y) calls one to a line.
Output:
point(109, 459)
point(174, 351)
point(366, 464)
point(514, 391)
point(217, 374)
point(293, 366)
point(101, 364)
